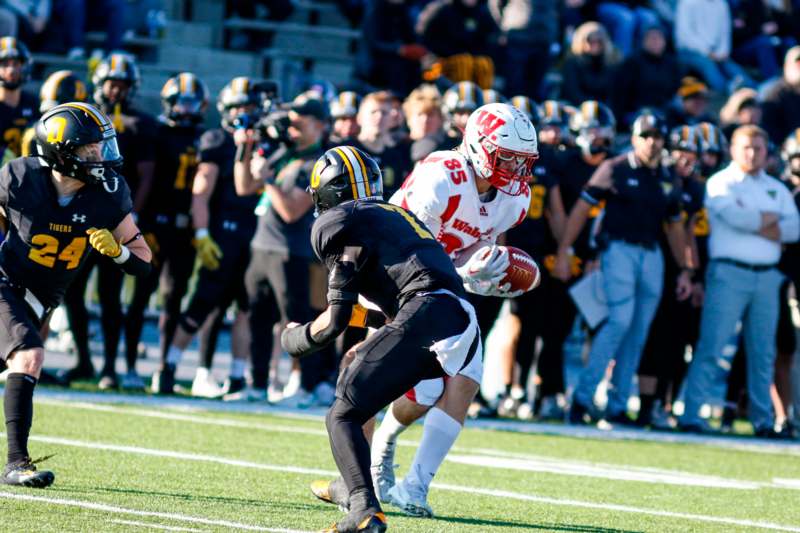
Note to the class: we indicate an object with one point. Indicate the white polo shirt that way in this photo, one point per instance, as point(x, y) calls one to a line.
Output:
point(735, 202)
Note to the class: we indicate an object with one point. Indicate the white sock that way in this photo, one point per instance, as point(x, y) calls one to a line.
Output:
point(237, 368)
point(174, 355)
point(439, 433)
point(385, 435)
point(201, 374)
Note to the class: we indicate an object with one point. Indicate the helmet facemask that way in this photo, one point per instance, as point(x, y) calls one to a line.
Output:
point(506, 170)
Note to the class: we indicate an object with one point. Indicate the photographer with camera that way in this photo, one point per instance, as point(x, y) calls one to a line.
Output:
point(278, 277)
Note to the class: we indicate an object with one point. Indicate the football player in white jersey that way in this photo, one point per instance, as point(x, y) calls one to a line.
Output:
point(467, 197)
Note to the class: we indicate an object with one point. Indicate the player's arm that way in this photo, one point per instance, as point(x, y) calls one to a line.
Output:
point(205, 180)
point(243, 178)
point(596, 189)
point(124, 245)
point(290, 205)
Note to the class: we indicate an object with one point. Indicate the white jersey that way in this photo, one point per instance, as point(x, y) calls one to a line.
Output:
point(441, 192)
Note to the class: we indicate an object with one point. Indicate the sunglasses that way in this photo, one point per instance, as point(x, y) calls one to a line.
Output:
point(651, 135)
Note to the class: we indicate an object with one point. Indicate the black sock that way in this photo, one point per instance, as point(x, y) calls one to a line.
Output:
point(18, 407)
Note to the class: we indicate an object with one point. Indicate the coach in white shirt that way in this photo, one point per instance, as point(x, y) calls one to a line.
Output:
point(751, 214)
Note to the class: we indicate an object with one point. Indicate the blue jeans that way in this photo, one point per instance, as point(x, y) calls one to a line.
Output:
point(734, 294)
point(623, 23)
point(634, 278)
point(718, 74)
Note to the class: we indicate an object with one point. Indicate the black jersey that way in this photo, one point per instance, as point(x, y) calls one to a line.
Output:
point(216, 146)
point(136, 137)
point(533, 234)
point(15, 120)
point(399, 256)
point(176, 154)
point(46, 242)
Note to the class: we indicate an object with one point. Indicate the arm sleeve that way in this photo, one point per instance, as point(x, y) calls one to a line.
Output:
point(789, 223)
point(721, 202)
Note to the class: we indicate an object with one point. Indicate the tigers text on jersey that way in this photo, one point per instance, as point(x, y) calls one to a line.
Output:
point(47, 243)
point(441, 191)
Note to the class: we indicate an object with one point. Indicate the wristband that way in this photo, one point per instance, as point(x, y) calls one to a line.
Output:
point(124, 255)
point(200, 233)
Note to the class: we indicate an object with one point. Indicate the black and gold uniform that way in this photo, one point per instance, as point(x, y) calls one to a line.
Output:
point(14, 121)
point(165, 218)
point(60, 87)
point(18, 109)
point(386, 254)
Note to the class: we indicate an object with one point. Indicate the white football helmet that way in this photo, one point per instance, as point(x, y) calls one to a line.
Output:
point(500, 142)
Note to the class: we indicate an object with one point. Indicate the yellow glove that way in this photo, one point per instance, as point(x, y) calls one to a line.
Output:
point(207, 250)
point(104, 242)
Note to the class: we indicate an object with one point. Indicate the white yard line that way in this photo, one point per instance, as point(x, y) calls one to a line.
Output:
point(150, 525)
point(112, 509)
point(496, 458)
point(328, 473)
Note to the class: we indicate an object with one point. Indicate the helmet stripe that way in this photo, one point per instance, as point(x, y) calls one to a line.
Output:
point(56, 81)
point(358, 176)
point(363, 170)
point(89, 110)
point(182, 81)
point(349, 171)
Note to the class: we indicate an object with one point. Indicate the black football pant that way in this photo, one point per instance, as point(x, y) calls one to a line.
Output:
point(172, 268)
point(546, 312)
point(109, 285)
point(278, 292)
point(389, 363)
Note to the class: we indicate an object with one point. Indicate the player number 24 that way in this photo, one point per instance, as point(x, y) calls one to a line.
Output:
point(48, 252)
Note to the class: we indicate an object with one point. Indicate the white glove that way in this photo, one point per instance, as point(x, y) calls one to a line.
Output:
point(490, 288)
point(486, 266)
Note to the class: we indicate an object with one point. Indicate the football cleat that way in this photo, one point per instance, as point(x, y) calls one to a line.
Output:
point(24, 474)
point(334, 492)
point(107, 382)
point(382, 470)
point(247, 394)
point(372, 523)
point(205, 386)
point(163, 381)
point(412, 501)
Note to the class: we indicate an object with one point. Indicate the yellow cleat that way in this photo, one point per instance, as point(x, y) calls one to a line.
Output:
point(334, 492)
point(374, 523)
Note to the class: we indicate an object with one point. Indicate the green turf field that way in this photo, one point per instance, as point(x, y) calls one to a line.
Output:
point(150, 468)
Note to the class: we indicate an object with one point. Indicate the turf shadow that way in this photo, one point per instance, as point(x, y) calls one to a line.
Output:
point(574, 528)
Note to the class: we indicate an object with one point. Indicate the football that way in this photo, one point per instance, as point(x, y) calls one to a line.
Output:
point(522, 272)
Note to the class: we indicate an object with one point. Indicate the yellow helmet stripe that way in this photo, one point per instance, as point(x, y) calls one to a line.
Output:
point(363, 170)
point(182, 82)
point(114, 61)
point(357, 173)
point(89, 110)
point(56, 81)
point(349, 170)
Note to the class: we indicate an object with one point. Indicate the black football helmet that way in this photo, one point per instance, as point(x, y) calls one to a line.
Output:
point(184, 99)
point(239, 92)
point(649, 120)
point(791, 146)
point(464, 96)
point(342, 174)
point(593, 125)
point(345, 105)
point(120, 67)
point(12, 48)
point(712, 140)
point(685, 139)
point(491, 96)
point(59, 88)
point(67, 127)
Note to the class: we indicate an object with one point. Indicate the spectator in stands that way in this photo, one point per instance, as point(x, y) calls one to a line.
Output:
point(464, 36)
point(423, 112)
point(757, 41)
point(641, 195)
point(703, 39)
point(751, 215)
point(344, 109)
point(72, 18)
point(530, 27)
point(625, 19)
point(589, 70)
point(650, 77)
point(277, 279)
point(691, 105)
point(741, 108)
point(24, 19)
point(781, 102)
point(391, 54)
point(376, 140)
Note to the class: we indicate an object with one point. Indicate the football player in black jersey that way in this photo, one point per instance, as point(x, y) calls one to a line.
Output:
point(224, 223)
point(18, 109)
point(166, 218)
point(60, 87)
point(421, 299)
point(58, 206)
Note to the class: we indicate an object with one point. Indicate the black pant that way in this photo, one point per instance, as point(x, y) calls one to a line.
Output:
point(278, 292)
point(109, 285)
point(386, 365)
point(172, 266)
point(543, 312)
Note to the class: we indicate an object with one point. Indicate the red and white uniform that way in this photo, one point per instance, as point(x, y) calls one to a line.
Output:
point(442, 193)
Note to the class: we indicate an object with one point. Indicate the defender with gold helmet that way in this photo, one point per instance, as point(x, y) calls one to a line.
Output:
point(59, 206)
point(59, 88)
point(18, 108)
